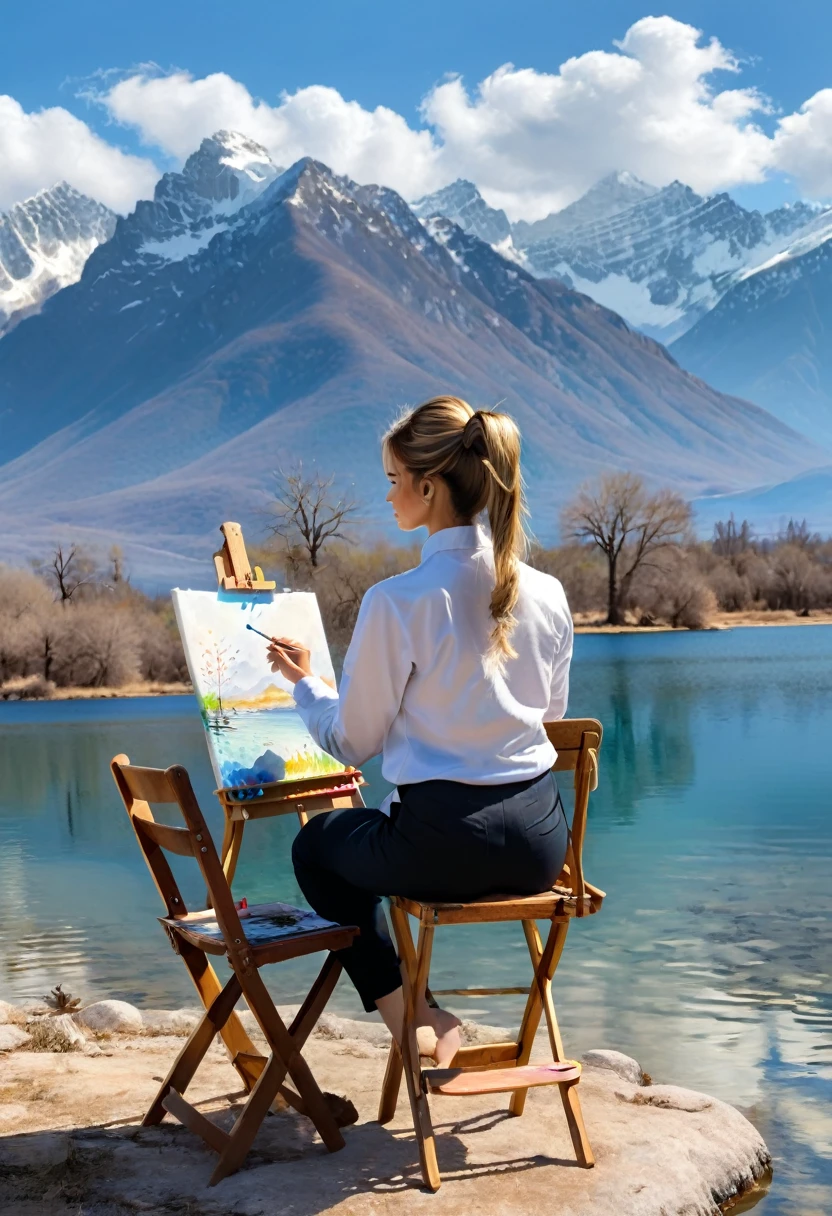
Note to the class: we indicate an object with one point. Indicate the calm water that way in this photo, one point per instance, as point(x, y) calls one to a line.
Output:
point(711, 832)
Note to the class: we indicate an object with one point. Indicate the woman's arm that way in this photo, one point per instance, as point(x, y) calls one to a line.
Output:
point(352, 726)
point(559, 686)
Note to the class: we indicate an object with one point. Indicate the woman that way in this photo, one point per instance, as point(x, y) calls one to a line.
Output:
point(451, 672)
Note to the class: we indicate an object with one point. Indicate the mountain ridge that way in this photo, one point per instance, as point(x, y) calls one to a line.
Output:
point(312, 311)
point(45, 242)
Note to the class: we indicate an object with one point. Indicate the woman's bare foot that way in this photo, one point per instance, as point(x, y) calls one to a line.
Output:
point(438, 1035)
point(437, 1030)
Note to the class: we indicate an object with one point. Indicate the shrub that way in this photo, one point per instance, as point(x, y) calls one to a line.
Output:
point(673, 589)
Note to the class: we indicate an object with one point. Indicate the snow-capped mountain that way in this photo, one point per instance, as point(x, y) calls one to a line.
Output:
point(613, 193)
point(205, 346)
point(188, 209)
point(462, 203)
point(44, 243)
point(770, 336)
point(666, 261)
point(660, 258)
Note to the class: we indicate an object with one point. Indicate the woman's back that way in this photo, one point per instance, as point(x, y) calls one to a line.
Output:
point(417, 684)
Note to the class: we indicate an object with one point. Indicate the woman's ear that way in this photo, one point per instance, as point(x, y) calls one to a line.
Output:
point(427, 490)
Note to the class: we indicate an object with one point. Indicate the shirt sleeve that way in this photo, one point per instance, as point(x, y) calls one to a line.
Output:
point(559, 687)
point(352, 725)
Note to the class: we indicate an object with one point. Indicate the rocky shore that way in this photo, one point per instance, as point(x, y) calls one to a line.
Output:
point(74, 1085)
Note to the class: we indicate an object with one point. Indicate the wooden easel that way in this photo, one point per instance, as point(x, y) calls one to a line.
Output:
point(304, 797)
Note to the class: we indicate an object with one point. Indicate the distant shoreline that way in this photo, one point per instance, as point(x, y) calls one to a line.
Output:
point(585, 623)
point(588, 622)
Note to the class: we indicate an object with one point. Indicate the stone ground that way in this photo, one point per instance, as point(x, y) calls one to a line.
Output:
point(70, 1144)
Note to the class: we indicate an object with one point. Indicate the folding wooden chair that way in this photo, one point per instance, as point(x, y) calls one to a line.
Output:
point(501, 1067)
point(222, 931)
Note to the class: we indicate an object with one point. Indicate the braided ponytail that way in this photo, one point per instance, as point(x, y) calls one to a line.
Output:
point(477, 453)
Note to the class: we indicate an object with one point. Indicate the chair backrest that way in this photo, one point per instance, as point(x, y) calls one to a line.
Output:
point(141, 786)
point(577, 742)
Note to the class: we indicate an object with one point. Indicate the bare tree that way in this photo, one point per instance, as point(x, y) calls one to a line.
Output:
point(117, 571)
point(309, 512)
point(730, 540)
point(627, 524)
point(68, 570)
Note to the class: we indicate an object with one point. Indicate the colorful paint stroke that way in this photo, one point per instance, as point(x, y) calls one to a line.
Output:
point(255, 734)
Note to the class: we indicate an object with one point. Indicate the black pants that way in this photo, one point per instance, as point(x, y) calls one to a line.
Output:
point(444, 841)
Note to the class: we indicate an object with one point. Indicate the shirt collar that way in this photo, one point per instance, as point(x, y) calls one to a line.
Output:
point(471, 538)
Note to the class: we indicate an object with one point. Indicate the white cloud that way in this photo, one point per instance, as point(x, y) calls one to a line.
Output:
point(532, 141)
point(39, 149)
point(803, 144)
point(175, 112)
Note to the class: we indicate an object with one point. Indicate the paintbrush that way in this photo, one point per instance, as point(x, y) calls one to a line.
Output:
point(274, 641)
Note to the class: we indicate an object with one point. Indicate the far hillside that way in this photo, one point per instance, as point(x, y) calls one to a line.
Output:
point(246, 318)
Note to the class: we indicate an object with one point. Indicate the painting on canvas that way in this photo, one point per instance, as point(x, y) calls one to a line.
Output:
point(255, 734)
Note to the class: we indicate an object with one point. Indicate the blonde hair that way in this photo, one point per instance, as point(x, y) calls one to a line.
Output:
point(477, 454)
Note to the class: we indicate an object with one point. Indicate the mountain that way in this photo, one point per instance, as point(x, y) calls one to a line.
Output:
point(661, 258)
point(44, 243)
point(613, 193)
point(463, 203)
point(214, 340)
point(769, 508)
point(770, 336)
point(667, 260)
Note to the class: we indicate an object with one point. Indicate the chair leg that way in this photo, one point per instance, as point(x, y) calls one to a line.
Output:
point(193, 1053)
point(575, 1121)
point(283, 1045)
point(568, 1093)
point(415, 968)
point(545, 961)
point(391, 1085)
point(207, 984)
point(534, 1002)
point(246, 1127)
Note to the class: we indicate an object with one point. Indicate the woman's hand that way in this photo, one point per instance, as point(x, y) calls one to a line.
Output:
point(292, 659)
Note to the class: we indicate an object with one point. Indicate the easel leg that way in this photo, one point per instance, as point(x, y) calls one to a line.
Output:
point(415, 969)
point(231, 843)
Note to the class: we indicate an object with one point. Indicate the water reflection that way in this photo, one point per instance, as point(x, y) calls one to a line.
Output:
point(711, 961)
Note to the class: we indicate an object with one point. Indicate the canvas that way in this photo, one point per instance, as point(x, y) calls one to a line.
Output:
point(255, 734)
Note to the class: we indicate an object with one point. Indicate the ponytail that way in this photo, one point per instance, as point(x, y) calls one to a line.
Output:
point(477, 453)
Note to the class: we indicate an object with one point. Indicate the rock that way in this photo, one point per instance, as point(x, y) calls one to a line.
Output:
point(330, 1026)
point(660, 1150)
point(12, 1037)
point(625, 1066)
point(474, 1034)
point(169, 1021)
point(34, 1153)
point(671, 1097)
point(35, 1009)
point(7, 1013)
point(115, 1016)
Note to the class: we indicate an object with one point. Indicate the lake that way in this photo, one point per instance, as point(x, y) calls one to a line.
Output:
point(711, 832)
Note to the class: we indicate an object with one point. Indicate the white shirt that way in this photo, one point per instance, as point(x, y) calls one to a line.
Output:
point(415, 686)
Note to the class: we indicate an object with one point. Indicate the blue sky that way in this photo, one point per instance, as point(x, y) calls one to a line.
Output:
point(379, 54)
